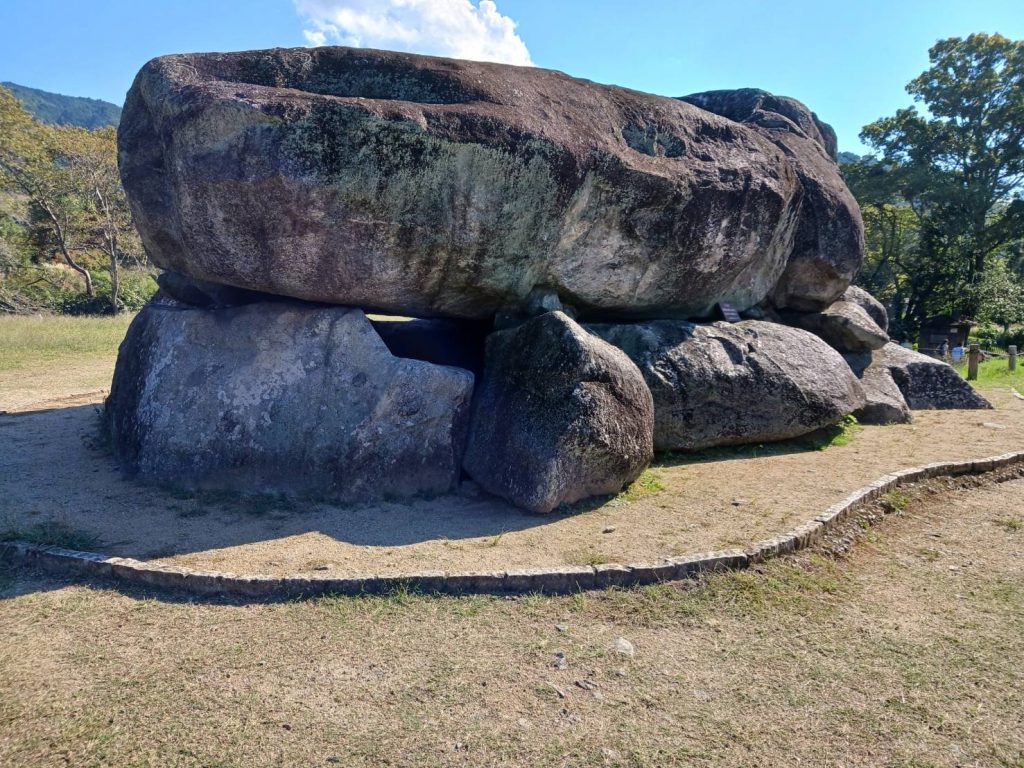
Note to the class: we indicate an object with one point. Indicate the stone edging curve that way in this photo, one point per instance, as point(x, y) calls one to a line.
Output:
point(553, 580)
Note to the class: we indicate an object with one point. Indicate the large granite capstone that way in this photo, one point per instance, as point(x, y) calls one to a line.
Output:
point(281, 397)
point(426, 186)
point(829, 245)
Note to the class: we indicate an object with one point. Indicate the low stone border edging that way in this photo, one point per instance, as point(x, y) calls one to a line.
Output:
point(554, 580)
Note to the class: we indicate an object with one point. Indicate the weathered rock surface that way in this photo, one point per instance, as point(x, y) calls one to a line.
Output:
point(559, 415)
point(885, 403)
point(843, 325)
point(926, 382)
point(748, 382)
point(425, 186)
point(283, 397)
point(875, 309)
point(829, 244)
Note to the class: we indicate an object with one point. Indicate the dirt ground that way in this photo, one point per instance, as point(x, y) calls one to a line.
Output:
point(905, 652)
point(52, 472)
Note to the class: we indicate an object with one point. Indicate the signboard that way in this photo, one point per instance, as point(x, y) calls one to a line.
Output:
point(729, 313)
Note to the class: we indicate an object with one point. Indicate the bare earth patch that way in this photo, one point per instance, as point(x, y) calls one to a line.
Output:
point(905, 652)
point(53, 471)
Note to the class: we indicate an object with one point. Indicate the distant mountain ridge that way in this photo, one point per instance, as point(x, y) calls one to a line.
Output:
point(58, 109)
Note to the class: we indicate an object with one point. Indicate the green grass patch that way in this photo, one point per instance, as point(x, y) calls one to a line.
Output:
point(589, 557)
point(840, 434)
point(53, 533)
point(27, 340)
point(1010, 524)
point(995, 372)
point(896, 501)
point(648, 484)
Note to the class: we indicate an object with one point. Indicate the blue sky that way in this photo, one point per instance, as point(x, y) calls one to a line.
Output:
point(849, 61)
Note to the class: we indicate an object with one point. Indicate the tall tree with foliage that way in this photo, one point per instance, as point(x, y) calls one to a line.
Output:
point(69, 176)
point(958, 168)
point(106, 223)
point(32, 162)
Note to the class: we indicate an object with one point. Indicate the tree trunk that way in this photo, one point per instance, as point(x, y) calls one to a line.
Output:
point(79, 269)
point(115, 279)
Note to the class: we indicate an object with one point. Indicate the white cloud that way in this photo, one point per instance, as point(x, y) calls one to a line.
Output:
point(463, 29)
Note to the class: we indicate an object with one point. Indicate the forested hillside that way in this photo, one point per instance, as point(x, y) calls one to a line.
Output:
point(57, 109)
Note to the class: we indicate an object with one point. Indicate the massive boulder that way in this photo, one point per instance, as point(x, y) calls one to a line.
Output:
point(730, 384)
point(559, 415)
point(926, 382)
point(435, 187)
point(843, 325)
point(885, 403)
point(829, 244)
point(286, 398)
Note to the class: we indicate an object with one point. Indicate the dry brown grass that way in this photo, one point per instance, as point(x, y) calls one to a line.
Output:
point(907, 652)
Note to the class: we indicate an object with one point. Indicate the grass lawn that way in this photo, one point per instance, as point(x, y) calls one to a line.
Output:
point(41, 340)
point(905, 652)
point(47, 357)
point(995, 372)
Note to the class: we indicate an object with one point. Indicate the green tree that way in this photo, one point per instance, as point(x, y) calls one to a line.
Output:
point(959, 169)
point(69, 177)
point(105, 223)
point(33, 162)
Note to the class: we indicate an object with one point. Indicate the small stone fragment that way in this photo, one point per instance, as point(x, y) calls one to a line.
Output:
point(623, 647)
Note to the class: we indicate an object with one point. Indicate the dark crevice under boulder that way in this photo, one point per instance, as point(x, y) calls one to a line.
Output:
point(730, 384)
point(283, 397)
point(206, 295)
point(440, 341)
point(559, 415)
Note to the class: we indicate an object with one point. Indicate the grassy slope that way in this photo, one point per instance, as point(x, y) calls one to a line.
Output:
point(43, 357)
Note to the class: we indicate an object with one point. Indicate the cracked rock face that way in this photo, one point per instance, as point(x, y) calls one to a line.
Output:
point(281, 397)
point(730, 384)
point(433, 187)
point(829, 245)
point(559, 416)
